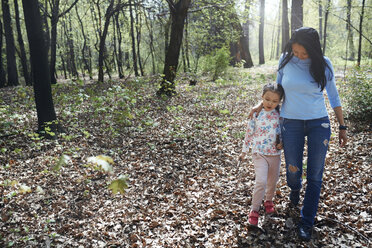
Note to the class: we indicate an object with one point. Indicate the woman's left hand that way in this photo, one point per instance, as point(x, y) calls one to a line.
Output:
point(342, 138)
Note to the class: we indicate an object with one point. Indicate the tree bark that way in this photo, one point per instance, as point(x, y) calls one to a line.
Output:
point(320, 12)
point(360, 34)
point(53, 40)
point(325, 26)
point(39, 58)
point(10, 47)
point(120, 51)
point(261, 33)
point(23, 57)
point(102, 40)
point(349, 32)
point(297, 15)
point(2, 72)
point(285, 24)
point(84, 49)
point(133, 40)
point(138, 38)
point(178, 13)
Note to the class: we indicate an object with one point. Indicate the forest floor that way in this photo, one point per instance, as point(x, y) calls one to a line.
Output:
point(179, 157)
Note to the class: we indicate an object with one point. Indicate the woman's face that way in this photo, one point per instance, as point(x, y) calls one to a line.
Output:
point(299, 51)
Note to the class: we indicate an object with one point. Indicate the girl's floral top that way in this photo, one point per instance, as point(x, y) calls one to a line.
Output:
point(261, 133)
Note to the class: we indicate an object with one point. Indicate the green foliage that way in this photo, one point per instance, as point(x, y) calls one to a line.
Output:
point(357, 91)
point(217, 62)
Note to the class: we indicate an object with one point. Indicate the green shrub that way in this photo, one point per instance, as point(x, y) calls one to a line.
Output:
point(357, 94)
point(217, 62)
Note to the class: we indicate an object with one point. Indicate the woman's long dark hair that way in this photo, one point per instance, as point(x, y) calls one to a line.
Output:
point(309, 39)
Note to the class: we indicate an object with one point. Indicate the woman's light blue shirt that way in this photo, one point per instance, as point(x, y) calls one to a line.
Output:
point(303, 98)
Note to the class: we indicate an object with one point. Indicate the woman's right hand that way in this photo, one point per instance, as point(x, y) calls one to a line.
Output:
point(256, 109)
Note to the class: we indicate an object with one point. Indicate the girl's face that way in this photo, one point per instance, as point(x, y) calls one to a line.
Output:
point(270, 100)
point(299, 51)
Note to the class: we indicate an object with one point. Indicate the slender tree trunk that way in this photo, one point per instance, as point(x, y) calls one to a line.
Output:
point(138, 37)
point(178, 13)
point(278, 32)
point(70, 42)
point(120, 51)
point(244, 39)
point(2, 72)
point(53, 41)
point(285, 24)
point(83, 50)
point(149, 25)
point(297, 15)
point(23, 57)
point(187, 43)
point(102, 41)
point(10, 47)
point(325, 26)
point(133, 40)
point(320, 12)
point(39, 58)
point(349, 32)
point(360, 34)
point(261, 33)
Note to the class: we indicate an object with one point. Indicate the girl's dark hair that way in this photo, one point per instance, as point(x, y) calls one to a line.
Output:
point(309, 39)
point(275, 88)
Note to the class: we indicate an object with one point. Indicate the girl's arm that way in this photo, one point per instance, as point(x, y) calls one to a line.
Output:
point(342, 137)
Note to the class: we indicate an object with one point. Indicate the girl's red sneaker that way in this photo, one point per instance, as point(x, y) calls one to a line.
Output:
point(253, 218)
point(269, 207)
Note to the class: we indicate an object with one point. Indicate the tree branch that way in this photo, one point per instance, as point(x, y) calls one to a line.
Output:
point(66, 11)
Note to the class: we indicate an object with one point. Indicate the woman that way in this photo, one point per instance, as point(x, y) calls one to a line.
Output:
point(304, 73)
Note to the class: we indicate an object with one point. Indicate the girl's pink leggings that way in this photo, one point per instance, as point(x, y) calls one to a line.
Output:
point(267, 174)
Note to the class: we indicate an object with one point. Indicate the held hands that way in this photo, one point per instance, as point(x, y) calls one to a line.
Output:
point(279, 146)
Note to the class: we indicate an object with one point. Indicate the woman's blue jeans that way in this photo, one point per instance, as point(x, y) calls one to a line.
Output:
point(318, 132)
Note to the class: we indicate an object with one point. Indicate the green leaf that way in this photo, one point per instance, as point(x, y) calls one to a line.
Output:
point(119, 185)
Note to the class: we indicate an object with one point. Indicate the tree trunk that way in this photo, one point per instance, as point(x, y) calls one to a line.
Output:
point(261, 33)
point(285, 24)
point(2, 72)
point(53, 41)
point(46, 25)
point(120, 51)
point(102, 40)
point(350, 38)
point(86, 65)
point(133, 40)
point(297, 15)
point(325, 26)
point(244, 39)
point(70, 42)
point(138, 37)
point(278, 32)
point(187, 44)
point(178, 13)
point(10, 48)
point(23, 57)
point(39, 59)
point(360, 34)
point(320, 12)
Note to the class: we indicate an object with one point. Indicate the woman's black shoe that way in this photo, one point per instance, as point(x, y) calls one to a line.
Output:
point(304, 232)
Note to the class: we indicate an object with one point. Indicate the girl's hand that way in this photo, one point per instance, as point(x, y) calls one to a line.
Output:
point(279, 146)
point(342, 138)
point(256, 109)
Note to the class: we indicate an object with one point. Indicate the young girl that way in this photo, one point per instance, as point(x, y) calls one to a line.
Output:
point(263, 133)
